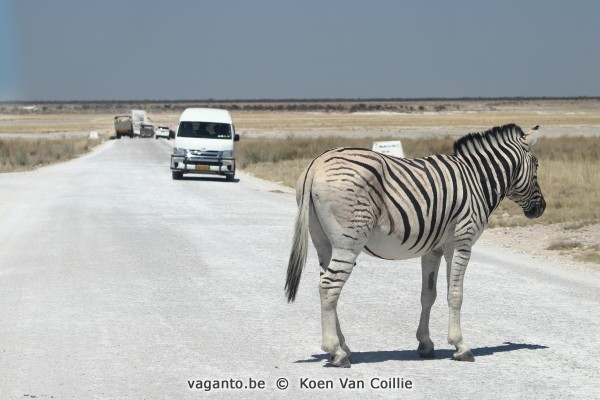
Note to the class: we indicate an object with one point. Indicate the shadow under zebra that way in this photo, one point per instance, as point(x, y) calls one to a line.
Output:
point(367, 357)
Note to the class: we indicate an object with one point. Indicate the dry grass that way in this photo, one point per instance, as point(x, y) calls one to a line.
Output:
point(457, 114)
point(283, 160)
point(284, 172)
point(574, 226)
point(569, 171)
point(564, 244)
point(348, 122)
point(590, 255)
point(53, 123)
point(40, 123)
point(252, 151)
point(27, 154)
point(581, 252)
point(569, 175)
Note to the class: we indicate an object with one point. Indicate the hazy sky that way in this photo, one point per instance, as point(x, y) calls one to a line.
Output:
point(236, 49)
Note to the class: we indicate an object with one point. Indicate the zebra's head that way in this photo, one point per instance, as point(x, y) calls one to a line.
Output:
point(525, 190)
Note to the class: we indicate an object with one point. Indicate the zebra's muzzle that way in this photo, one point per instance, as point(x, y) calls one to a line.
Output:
point(537, 210)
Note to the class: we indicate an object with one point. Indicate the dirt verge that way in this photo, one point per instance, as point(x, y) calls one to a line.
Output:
point(575, 243)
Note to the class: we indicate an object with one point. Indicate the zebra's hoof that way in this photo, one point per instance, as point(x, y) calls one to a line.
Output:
point(465, 356)
point(331, 358)
point(341, 361)
point(425, 352)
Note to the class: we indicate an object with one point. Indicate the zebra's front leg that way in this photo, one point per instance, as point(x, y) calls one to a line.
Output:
point(457, 261)
point(430, 264)
point(330, 286)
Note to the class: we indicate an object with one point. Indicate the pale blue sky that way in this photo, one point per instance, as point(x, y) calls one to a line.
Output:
point(234, 49)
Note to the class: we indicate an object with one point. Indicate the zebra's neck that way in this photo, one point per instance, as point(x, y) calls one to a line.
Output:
point(492, 167)
point(492, 157)
point(492, 176)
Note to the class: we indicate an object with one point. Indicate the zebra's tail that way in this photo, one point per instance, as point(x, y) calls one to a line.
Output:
point(300, 242)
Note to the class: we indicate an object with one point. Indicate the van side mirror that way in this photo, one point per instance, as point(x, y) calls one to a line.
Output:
point(236, 138)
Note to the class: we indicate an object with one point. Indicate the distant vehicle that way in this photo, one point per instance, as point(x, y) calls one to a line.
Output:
point(204, 144)
point(162, 131)
point(146, 131)
point(123, 126)
point(138, 117)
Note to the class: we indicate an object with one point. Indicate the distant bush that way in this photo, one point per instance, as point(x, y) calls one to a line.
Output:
point(564, 244)
point(347, 106)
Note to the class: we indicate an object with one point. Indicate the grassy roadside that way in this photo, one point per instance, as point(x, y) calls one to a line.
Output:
point(22, 154)
point(569, 171)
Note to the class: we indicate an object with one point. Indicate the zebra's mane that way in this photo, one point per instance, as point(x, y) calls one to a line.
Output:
point(478, 139)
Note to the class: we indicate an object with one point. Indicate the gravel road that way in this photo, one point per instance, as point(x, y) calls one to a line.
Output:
point(118, 282)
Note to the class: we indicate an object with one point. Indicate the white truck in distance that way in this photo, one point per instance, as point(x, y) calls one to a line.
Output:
point(204, 144)
point(138, 117)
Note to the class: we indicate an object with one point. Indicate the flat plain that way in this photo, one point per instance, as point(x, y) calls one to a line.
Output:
point(420, 117)
point(570, 172)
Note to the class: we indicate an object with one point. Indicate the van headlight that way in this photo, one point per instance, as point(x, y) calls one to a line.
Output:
point(179, 151)
point(227, 153)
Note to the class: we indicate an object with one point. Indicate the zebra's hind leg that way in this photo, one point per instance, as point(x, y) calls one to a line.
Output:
point(330, 286)
point(430, 264)
point(323, 247)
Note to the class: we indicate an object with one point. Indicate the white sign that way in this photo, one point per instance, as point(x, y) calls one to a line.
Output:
point(390, 148)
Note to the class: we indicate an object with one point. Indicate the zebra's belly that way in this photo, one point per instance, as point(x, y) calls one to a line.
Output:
point(390, 247)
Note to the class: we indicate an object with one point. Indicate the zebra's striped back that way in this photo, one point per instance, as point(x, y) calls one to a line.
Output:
point(406, 202)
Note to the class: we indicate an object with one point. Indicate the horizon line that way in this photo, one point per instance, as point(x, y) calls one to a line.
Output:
point(307, 100)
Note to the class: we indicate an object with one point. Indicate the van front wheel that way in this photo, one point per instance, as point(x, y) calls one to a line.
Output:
point(177, 175)
point(230, 177)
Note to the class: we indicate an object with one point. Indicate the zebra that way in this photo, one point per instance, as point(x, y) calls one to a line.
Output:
point(354, 200)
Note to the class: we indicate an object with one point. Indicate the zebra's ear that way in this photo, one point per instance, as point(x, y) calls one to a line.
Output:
point(532, 135)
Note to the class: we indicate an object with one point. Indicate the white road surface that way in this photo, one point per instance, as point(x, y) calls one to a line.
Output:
point(118, 282)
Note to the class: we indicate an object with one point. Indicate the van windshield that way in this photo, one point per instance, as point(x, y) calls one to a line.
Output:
point(204, 130)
